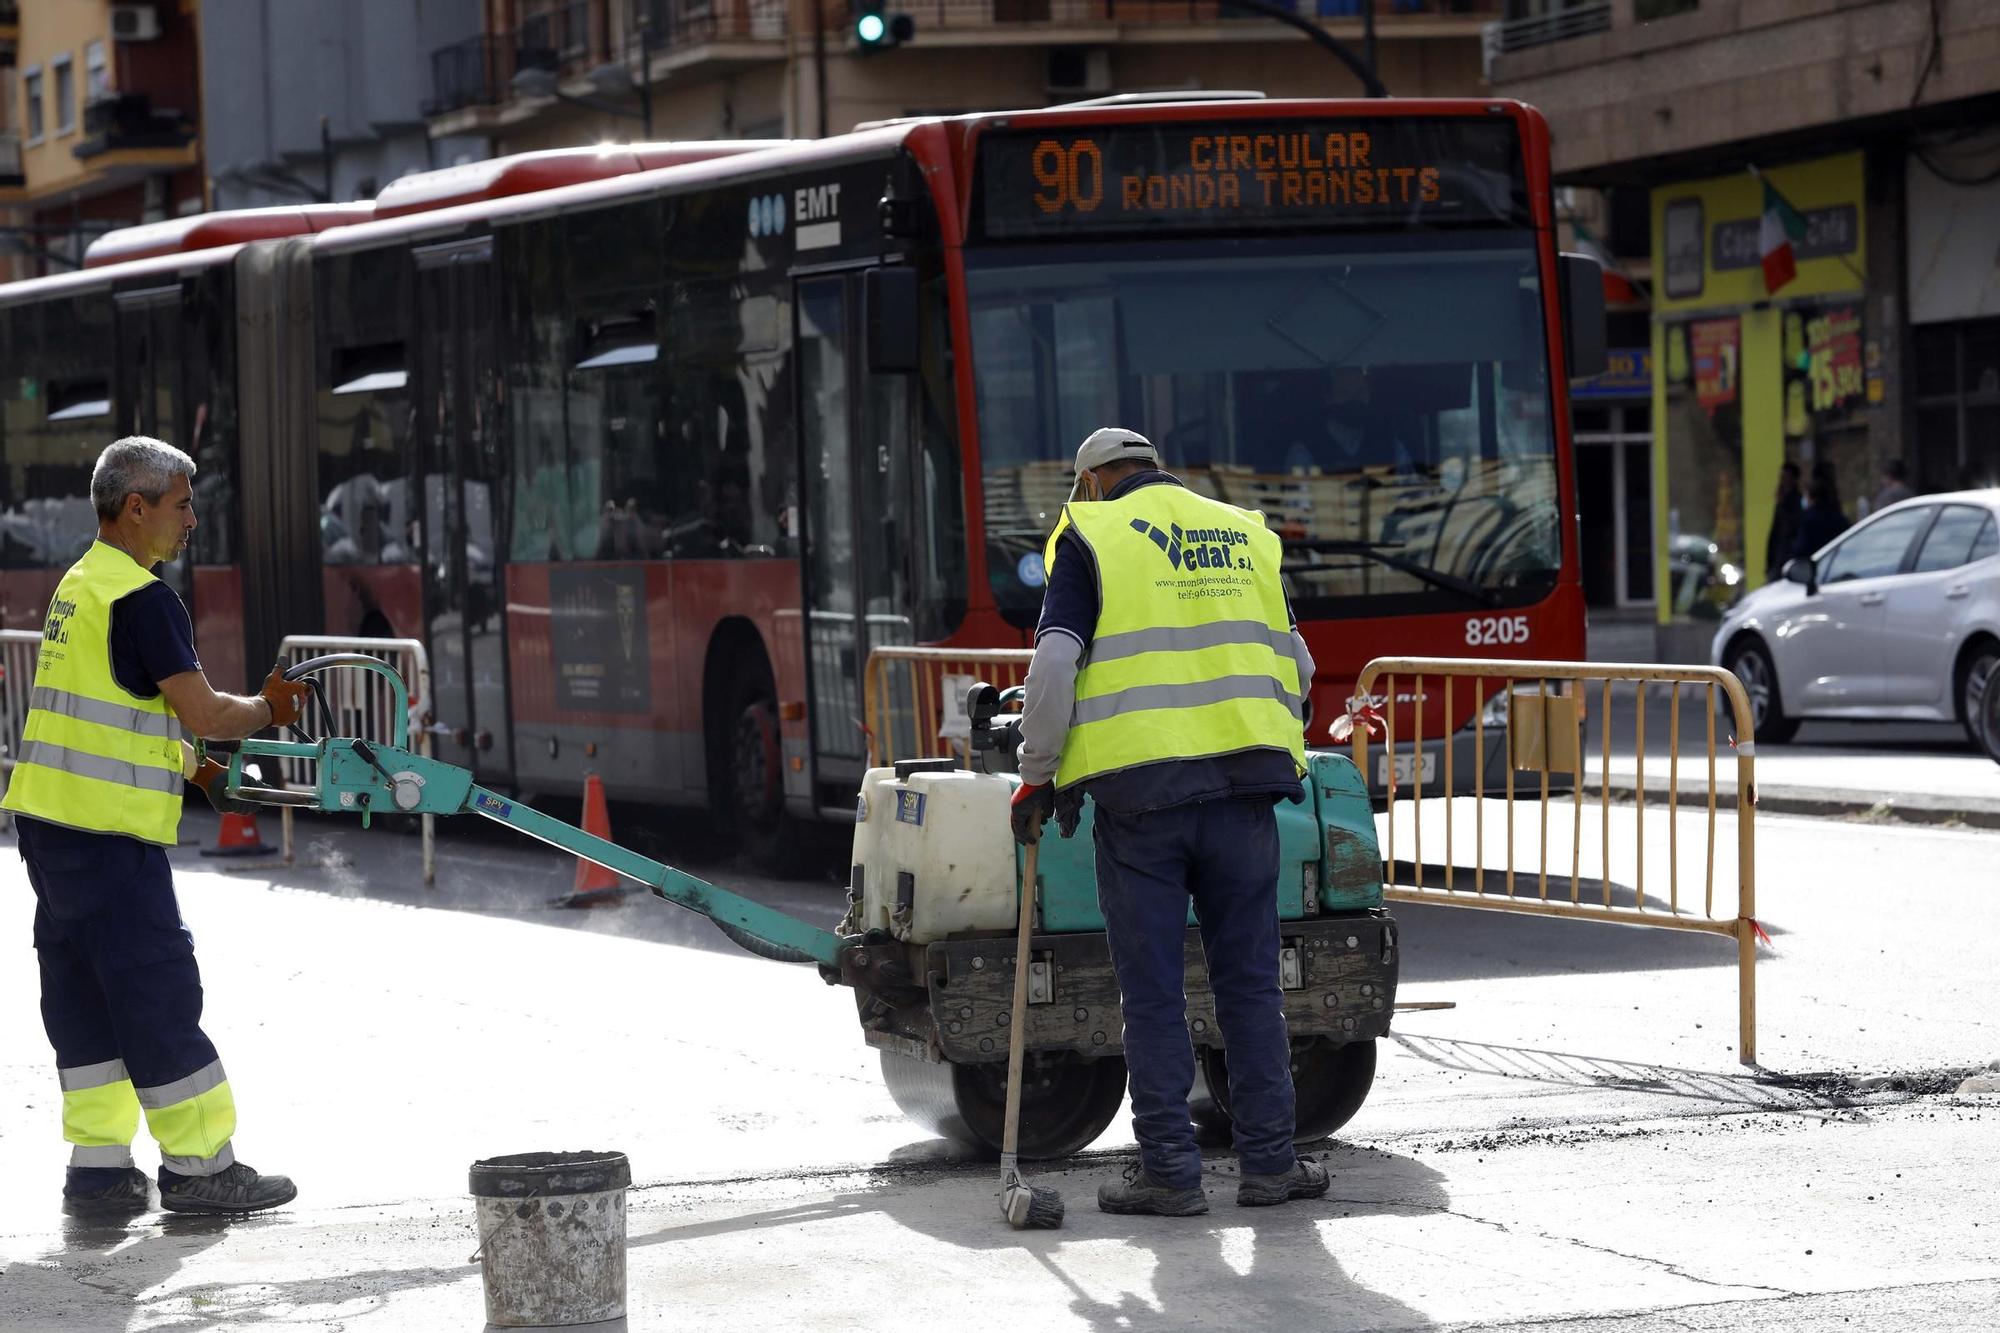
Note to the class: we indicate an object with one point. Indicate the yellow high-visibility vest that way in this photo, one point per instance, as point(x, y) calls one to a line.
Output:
point(95, 756)
point(1192, 652)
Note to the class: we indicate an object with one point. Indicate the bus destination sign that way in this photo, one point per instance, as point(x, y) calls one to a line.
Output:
point(1251, 174)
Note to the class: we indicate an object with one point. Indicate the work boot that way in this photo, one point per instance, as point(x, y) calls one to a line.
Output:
point(234, 1189)
point(1142, 1194)
point(1306, 1180)
point(92, 1191)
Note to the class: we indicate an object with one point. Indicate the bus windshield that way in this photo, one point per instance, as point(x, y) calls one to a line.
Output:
point(1382, 400)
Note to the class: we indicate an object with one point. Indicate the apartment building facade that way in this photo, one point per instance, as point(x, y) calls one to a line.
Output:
point(1811, 191)
point(103, 124)
point(547, 73)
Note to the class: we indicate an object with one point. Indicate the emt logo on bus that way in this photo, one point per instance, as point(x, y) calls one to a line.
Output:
point(1200, 176)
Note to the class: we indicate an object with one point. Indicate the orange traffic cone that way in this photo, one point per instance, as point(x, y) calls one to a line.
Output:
point(238, 836)
point(595, 886)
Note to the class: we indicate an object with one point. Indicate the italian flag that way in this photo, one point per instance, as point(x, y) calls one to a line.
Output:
point(1780, 228)
point(1618, 286)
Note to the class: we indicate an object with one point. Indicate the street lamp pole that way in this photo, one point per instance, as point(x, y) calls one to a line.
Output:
point(1364, 70)
point(642, 29)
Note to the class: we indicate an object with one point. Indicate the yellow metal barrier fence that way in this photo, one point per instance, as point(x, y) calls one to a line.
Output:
point(19, 651)
point(1543, 729)
point(914, 698)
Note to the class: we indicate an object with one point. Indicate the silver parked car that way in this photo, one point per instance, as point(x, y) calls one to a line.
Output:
point(1897, 619)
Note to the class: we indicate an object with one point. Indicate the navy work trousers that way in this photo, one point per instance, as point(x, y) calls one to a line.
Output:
point(1225, 854)
point(119, 980)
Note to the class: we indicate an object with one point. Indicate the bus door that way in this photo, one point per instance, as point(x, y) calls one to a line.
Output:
point(146, 396)
point(854, 433)
point(458, 407)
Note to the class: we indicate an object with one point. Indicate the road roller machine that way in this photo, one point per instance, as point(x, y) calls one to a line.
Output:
point(933, 904)
point(927, 945)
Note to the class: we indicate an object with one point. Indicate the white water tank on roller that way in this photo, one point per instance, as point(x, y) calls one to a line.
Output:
point(936, 854)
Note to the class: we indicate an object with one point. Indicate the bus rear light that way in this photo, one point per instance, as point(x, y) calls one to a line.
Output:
point(795, 711)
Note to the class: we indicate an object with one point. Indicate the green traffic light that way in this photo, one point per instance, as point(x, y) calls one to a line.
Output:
point(870, 29)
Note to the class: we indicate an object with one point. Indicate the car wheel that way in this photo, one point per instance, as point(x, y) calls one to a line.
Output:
point(1975, 678)
point(1750, 662)
point(1990, 717)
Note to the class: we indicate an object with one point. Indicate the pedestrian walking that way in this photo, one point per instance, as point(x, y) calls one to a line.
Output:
point(96, 795)
point(1822, 519)
point(1168, 685)
point(1787, 508)
point(1895, 486)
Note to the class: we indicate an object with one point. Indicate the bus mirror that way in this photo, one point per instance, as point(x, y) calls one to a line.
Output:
point(1583, 317)
point(889, 305)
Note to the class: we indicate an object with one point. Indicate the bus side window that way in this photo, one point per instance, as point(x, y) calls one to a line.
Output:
point(730, 470)
point(939, 596)
point(366, 454)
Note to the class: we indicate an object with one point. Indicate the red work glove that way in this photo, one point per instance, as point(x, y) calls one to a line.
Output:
point(287, 698)
point(213, 779)
point(1032, 805)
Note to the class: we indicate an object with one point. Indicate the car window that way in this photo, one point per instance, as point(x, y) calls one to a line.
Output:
point(1950, 541)
point(1876, 548)
point(1987, 543)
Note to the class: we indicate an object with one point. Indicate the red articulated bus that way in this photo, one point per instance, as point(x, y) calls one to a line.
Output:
point(653, 446)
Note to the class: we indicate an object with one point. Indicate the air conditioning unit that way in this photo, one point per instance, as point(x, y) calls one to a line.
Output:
point(134, 23)
point(1075, 71)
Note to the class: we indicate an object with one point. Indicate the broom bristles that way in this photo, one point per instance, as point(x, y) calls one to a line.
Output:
point(1029, 1207)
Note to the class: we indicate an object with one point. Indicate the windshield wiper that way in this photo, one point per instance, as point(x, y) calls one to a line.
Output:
point(1383, 554)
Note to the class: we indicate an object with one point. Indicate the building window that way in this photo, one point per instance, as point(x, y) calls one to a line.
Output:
point(64, 70)
point(96, 73)
point(1958, 405)
point(31, 93)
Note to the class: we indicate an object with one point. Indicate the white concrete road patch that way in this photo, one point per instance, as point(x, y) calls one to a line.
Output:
point(1575, 1142)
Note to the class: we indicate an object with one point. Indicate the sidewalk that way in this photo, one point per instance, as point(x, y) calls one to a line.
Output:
point(1918, 772)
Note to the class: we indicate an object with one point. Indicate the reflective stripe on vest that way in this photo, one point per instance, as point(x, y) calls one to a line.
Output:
point(93, 755)
point(122, 716)
point(1191, 656)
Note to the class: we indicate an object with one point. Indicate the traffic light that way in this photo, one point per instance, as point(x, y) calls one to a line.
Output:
point(875, 30)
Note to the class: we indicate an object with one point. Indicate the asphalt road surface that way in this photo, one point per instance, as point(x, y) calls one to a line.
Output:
point(1573, 1146)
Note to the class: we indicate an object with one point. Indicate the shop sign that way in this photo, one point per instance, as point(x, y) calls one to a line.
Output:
point(1829, 231)
point(1705, 235)
point(1833, 357)
point(1715, 359)
point(1628, 374)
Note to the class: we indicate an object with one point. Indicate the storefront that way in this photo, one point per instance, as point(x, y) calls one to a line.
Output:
point(1954, 217)
point(1763, 355)
point(1611, 417)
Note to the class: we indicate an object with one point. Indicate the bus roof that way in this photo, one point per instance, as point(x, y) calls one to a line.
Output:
point(205, 231)
point(778, 155)
point(163, 268)
point(547, 169)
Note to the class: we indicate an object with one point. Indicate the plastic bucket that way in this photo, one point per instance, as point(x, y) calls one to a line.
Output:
point(552, 1236)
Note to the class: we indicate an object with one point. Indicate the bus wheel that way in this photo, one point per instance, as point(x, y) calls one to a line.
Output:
point(1066, 1101)
point(754, 786)
point(1330, 1080)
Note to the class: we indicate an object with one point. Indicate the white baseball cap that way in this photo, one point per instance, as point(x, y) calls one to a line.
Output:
point(1112, 444)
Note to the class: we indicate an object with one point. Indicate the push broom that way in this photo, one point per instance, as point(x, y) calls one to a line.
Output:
point(1026, 1207)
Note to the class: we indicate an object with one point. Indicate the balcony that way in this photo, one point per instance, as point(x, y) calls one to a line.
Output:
point(471, 81)
point(478, 72)
point(934, 16)
point(1656, 84)
point(1557, 25)
point(126, 122)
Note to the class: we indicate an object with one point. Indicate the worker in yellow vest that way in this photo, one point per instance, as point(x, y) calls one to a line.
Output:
point(96, 795)
point(1168, 685)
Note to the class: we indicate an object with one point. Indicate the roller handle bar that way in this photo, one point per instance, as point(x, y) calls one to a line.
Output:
point(400, 735)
